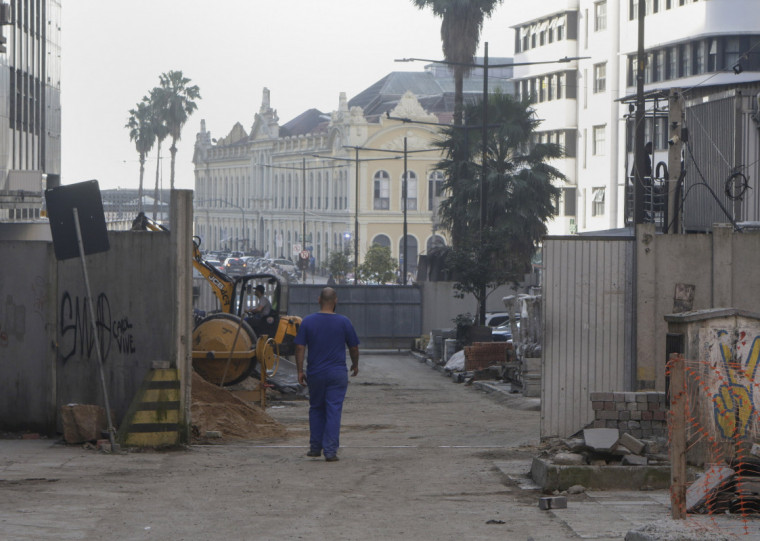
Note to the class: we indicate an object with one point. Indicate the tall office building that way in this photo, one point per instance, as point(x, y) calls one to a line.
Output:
point(30, 106)
point(701, 46)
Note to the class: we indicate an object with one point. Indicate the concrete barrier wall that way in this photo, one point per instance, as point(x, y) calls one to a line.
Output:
point(132, 287)
point(27, 337)
point(47, 348)
point(722, 267)
point(440, 306)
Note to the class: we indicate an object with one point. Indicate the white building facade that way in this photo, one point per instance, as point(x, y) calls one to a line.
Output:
point(689, 44)
point(30, 107)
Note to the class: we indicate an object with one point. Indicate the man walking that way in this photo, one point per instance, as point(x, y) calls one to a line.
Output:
point(326, 334)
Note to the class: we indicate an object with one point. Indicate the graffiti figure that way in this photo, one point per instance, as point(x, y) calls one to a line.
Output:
point(734, 406)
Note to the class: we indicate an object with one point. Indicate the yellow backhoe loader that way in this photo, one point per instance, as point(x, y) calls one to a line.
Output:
point(227, 344)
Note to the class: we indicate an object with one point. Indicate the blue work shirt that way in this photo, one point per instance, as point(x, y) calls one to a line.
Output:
point(326, 337)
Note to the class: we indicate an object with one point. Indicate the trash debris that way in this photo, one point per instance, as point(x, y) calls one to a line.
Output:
point(495, 521)
point(552, 502)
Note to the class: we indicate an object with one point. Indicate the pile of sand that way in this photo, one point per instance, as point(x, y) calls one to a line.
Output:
point(219, 410)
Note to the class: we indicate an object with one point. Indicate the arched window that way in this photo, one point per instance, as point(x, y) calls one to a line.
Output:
point(382, 190)
point(411, 191)
point(319, 190)
point(435, 188)
point(382, 240)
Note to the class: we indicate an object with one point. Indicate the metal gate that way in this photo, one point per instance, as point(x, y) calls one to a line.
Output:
point(383, 316)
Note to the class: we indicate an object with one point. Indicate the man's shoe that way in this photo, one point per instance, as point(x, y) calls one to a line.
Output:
point(314, 453)
point(333, 458)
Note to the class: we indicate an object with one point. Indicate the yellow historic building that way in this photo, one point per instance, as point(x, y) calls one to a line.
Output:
point(323, 182)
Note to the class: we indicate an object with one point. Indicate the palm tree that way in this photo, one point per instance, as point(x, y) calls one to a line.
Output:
point(520, 198)
point(461, 22)
point(157, 101)
point(178, 105)
point(141, 132)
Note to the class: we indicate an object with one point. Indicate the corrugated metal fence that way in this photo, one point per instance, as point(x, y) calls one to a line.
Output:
point(588, 322)
point(383, 316)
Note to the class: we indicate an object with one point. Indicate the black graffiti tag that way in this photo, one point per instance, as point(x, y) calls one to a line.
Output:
point(76, 329)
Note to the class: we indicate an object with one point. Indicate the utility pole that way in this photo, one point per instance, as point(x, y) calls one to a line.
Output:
point(483, 179)
point(675, 145)
point(640, 155)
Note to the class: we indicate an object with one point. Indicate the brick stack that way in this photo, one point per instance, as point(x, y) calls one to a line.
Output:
point(642, 414)
point(481, 355)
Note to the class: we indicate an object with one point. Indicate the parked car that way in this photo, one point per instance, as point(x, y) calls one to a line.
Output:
point(285, 265)
point(502, 333)
point(235, 266)
point(494, 319)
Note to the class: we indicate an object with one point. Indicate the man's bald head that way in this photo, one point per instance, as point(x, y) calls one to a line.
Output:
point(328, 298)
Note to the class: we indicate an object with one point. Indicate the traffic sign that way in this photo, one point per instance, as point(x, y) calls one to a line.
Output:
point(304, 254)
point(297, 249)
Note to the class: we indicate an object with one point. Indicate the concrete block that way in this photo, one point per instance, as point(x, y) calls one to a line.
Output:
point(608, 414)
point(641, 397)
point(634, 460)
point(160, 365)
point(597, 405)
point(596, 397)
point(569, 459)
point(624, 415)
point(630, 397)
point(601, 439)
point(618, 397)
point(603, 397)
point(653, 397)
point(634, 445)
point(620, 406)
point(700, 490)
point(552, 502)
point(609, 406)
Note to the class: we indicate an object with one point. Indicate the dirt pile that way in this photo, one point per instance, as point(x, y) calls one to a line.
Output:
point(215, 409)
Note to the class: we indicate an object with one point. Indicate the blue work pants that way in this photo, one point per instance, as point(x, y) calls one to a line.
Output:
point(326, 393)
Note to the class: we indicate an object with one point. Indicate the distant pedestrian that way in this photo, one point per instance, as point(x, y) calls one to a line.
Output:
point(326, 335)
point(330, 280)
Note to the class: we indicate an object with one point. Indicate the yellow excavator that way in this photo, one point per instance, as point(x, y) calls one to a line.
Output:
point(227, 344)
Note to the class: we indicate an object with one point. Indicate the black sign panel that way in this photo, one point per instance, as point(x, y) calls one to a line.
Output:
point(61, 202)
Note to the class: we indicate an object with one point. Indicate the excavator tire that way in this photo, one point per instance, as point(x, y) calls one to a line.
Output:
point(216, 333)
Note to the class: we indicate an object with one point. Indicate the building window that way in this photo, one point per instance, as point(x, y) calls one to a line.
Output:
point(435, 188)
point(600, 16)
point(599, 141)
point(731, 52)
point(597, 202)
point(685, 51)
point(672, 71)
point(569, 200)
point(411, 192)
point(382, 190)
point(700, 60)
point(659, 66)
point(600, 77)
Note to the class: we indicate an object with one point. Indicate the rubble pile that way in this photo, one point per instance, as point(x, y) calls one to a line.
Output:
point(726, 489)
point(605, 447)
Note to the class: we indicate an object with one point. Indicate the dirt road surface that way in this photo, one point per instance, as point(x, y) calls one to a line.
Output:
point(418, 461)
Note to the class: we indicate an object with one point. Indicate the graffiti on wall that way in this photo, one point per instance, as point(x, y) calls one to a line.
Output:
point(76, 333)
point(733, 400)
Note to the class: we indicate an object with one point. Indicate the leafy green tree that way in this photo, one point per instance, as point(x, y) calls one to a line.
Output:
point(141, 132)
point(461, 23)
point(378, 265)
point(520, 196)
point(177, 100)
point(339, 264)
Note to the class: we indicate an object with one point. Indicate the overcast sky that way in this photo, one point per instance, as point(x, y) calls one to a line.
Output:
point(305, 51)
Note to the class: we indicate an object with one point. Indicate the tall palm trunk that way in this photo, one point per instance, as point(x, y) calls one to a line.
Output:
point(140, 189)
point(155, 193)
point(173, 151)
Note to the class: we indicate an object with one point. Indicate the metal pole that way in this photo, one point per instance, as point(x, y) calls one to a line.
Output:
point(114, 447)
point(640, 154)
point(356, 218)
point(484, 172)
point(303, 207)
point(404, 188)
